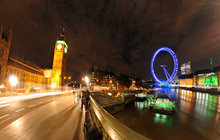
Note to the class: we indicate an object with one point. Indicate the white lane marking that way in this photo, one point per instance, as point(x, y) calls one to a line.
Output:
point(4, 105)
point(19, 110)
point(6, 115)
point(5, 120)
point(32, 105)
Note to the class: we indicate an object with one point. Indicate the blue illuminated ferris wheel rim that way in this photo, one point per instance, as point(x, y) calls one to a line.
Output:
point(170, 79)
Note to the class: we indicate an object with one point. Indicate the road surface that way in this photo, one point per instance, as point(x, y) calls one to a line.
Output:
point(52, 117)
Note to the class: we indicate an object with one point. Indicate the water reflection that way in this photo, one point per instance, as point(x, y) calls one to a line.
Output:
point(160, 118)
point(196, 111)
point(142, 105)
point(200, 104)
point(195, 102)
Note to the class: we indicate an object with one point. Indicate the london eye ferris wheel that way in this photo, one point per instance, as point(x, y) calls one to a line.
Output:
point(169, 76)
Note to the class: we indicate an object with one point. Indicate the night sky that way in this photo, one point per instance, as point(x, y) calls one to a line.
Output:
point(118, 35)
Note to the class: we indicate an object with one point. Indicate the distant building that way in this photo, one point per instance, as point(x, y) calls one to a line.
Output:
point(186, 68)
point(187, 80)
point(5, 44)
point(202, 78)
point(92, 76)
point(133, 84)
point(100, 79)
point(208, 77)
point(29, 75)
point(108, 79)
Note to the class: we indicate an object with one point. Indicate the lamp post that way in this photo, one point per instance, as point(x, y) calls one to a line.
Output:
point(13, 80)
point(86, 78)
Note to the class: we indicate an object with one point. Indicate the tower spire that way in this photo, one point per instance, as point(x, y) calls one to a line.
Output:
point(63, 30)
point(62, 34)
point(211, 63)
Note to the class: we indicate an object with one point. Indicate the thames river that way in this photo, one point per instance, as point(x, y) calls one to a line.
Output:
point(197, 117)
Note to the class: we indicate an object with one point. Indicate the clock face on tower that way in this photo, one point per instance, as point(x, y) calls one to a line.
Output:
point(59, 47)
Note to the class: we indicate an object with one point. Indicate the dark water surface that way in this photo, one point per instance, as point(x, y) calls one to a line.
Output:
point(197, 117)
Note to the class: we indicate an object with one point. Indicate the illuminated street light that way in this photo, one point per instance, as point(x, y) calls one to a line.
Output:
point(13, 80)
point(53, 85)
point(86, 79)
point(2, 86)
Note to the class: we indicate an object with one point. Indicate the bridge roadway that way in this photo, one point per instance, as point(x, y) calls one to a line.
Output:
point(41, 118)
point(58, 116)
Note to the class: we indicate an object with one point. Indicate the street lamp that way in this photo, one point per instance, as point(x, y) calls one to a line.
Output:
point(13, 80)
point(87, 80)
point(53, 85)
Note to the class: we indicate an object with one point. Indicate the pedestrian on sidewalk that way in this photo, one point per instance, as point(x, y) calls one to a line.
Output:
point(85, 99)
point(78, 96)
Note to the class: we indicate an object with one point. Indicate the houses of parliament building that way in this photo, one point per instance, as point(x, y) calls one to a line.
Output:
point(28, 75)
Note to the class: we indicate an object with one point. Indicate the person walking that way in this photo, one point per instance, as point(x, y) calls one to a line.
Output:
point(78, 95)
point(85, 99)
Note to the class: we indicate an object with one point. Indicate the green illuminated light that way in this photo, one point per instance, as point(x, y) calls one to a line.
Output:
point(62, 42)
point(211, 62)
point(157, 115)
point(142, 106)
point(208, 81)
point(160, 118)
point(164, 116)
point(202, 81)
point(214, 81)
point(163, 104)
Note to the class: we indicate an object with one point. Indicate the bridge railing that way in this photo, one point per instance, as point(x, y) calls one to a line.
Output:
point(109, 127)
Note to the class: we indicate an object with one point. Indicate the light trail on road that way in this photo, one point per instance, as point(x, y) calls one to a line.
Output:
point(4, 100)
point(56, 117)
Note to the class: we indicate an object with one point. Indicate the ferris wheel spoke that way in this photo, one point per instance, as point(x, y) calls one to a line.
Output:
point(167, 73)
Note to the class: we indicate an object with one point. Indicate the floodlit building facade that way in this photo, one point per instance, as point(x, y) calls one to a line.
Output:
point(5, 44)
point(187, 81)
point(29, 76)
point(202, 79)
point(59, 62)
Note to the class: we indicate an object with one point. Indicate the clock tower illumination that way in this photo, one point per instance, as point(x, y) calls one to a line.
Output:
point(59, 62)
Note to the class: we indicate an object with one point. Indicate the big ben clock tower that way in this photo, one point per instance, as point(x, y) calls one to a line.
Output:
point(59, 62)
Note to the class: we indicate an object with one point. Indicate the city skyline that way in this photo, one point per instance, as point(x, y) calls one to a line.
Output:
point(123, 39)
point(109, 69)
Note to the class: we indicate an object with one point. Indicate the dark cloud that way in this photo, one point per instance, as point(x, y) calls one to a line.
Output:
point(116, 34)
